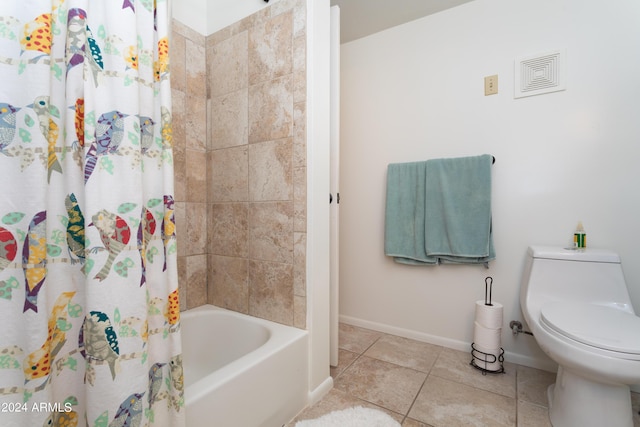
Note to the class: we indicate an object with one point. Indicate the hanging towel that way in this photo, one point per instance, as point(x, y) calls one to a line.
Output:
point(405, 213)
point(439, 211)
point(458, 210)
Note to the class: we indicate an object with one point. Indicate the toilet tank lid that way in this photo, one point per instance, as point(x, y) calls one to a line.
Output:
point(569, 254)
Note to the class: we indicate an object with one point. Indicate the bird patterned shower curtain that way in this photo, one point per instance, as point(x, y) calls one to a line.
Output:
point(89, 312)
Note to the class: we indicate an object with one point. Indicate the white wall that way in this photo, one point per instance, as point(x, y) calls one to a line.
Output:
point(192, 13)
point(208, 16)
point(415, 92)
point(318, 139)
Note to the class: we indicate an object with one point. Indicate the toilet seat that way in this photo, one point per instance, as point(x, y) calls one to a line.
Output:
point(597, 326)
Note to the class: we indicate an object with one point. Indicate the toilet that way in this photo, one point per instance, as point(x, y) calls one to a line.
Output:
point(577, 306)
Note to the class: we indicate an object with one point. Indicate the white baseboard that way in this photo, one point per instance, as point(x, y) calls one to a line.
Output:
point(406, 333)
point(520, 359)
point(319, 392)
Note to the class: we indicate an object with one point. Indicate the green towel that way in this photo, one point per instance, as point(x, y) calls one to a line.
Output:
point(405, 214)
point(439, 211)
point(458, 210)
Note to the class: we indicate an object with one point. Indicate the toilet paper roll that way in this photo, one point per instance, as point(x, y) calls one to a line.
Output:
point(486, 358)
point(489, 316)
point(487, 338)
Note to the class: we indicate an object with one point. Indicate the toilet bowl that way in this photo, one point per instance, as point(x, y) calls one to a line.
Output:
point(577, 305)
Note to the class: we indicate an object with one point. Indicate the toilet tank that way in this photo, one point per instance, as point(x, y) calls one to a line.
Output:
point(557, 274)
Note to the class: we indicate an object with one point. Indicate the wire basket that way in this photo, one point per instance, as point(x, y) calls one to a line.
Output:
point(481, 360)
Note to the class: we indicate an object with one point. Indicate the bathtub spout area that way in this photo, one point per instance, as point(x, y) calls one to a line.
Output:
point(242, 371)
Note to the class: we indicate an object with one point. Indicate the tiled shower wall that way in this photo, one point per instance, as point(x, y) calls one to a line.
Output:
point(241, 191)
point(189, 99)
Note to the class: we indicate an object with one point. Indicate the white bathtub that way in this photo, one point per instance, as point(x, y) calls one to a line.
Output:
point(241, 371)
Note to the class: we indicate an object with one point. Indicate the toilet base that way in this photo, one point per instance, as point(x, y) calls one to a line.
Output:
point(577, 401)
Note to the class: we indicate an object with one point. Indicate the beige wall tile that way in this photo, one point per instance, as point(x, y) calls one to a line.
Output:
point(271, 110)
point(271, 231)
point(217, 37)
point(180, 213)
point(177, 56)
point(182, 282)
point(282, 6)
point(179, 147)
point(251, 21)
point(300, 134)
point(229, 283)
point(300, 264)
point(229, 180)
point(300, 199)
point(228, 65)
point(239, 204)
point(270, 49)
point(196, 168)
point(299, 86)
point(178, 118)
point(270, 172)
point(196, 228)
point(188, 33)
point(228, 120)
point(196, 70)
point(196, 280)
point(229, 229)
point(300, 312)
point(300, 69)
point(300, 18)
point(271, 291)
point(195, 119)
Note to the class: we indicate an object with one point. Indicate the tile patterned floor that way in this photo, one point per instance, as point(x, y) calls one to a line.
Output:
point(425, 385)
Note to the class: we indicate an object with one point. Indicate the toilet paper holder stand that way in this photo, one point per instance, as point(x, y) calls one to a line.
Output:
point(488, 285)
point(479, 359)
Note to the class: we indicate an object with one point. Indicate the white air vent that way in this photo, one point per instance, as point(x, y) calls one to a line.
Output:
point(542, 73)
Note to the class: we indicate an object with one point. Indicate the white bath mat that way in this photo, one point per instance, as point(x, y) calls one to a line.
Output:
point(352, 417)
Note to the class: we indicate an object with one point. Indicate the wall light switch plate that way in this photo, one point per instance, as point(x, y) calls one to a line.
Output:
point(491, 85)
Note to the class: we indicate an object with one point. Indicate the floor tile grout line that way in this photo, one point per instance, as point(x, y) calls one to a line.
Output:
point(347, 367)
point(428, 374)
point(406, 415)
point(479, 389)
point(364, 400)
point(517, 400)
point(416, 398)
point(359, 354)
point(519, 378)
point(372, 344)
